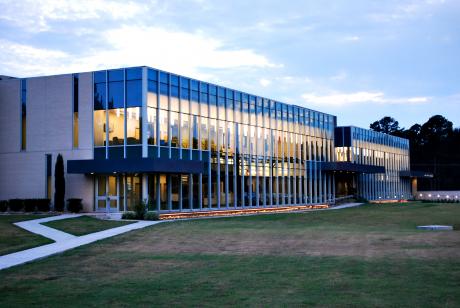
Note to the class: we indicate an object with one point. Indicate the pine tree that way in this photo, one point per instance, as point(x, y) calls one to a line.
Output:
point(59, 184)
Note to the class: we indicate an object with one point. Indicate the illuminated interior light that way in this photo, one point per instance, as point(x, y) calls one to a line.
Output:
point(429, 195)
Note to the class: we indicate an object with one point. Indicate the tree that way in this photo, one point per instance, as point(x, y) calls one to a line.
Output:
point(387, 125)
point(433, 148)
point(59, 184)
point(436, 130)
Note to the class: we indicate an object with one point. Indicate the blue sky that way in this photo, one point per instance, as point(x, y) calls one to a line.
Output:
point(359, 60)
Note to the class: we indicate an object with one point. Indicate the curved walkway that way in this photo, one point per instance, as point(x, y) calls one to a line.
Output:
point(63, 241)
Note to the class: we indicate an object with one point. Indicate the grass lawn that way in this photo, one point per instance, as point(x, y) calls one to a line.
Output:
point(367, 256)
point(13, 238)
point(84, 225)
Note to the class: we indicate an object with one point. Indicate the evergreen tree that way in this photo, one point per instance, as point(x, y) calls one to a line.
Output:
point(59, 184)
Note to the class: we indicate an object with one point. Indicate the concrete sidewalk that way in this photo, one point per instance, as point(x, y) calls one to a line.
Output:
point(35, 226)
point(64, 241)
point(344, 206)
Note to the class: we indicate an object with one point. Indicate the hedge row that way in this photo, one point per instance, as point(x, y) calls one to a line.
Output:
point(26, 205)
point(37, 205)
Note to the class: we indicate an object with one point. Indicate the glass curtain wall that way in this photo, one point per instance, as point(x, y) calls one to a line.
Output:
point(257, 152)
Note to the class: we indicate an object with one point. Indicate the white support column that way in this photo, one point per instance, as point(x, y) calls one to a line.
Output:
point(145, 187)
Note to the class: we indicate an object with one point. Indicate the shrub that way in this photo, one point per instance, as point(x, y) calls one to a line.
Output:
point(3, 205)
point(43, 205)
point(128, 215)
point(151, 215)
point(16, 205)
point(29, 205)
point(74, 205)
point(140, 209)
point(59, 184)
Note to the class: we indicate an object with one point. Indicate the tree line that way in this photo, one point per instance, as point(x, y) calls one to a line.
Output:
point(434, 147)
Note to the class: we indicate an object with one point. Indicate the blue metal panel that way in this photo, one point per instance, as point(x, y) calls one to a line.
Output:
point(138, 165)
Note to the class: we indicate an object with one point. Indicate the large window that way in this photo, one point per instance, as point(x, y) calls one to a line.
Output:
point(185, 131)
point(174, 129)
point(204, 134)
point(195, 129)
point(163, 127)
point(133, 125)
point(99, 128)
point(151, 126)
point(116, 126)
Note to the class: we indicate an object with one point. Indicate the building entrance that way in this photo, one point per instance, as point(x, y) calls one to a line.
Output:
point(108, 193)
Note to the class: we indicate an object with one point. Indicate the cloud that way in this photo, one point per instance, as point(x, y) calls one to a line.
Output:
point(354, 38)
point(182, 52)
point(36, 15)
point(363, 97)
point(27, 60)
point(264, 82)
point(339, 76)
point(409, 10)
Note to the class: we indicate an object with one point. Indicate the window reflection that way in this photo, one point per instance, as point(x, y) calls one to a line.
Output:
point(116, 94)
point(99, 96)
point(204, 134)
point(151, 126)
point(195, 128)
point(174, 129)
point(164, 127)
point(185, 131)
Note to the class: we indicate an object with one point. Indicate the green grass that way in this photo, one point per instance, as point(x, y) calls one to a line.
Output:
point(13, 238)
point(367, 256)
point(84, 225)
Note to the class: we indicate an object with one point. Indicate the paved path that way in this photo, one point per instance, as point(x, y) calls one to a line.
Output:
point(64, 241)
point(344, 206)
point(35, 226)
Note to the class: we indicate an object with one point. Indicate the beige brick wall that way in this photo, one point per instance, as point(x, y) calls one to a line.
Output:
point(10, 113)
point(49, 131)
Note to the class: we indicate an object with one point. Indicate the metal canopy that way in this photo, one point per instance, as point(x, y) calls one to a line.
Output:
point(135, 165)
point(351, 167)
point(416, 174)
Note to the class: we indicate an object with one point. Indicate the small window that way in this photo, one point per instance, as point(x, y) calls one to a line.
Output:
point(99, 77)
point(99, 96)
point(134, 73)
point(204, 87)
point(116, 75)
point(116, 95)
point(212, 90)
point(152, 74)
point(164, 77)
point(152, 86)
point(174, 80)
point(133, 93)
point(184, 82)
point(194, 85)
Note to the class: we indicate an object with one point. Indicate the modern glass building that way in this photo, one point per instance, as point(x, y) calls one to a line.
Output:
point(361, 146)
point(139, 133)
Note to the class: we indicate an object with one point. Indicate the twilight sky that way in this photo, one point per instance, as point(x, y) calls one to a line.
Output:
point(359, 60)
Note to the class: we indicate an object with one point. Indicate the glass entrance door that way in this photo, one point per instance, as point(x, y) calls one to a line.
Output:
point(107, 194)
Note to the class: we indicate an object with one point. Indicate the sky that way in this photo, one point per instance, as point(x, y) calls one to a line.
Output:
point(360, 60)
